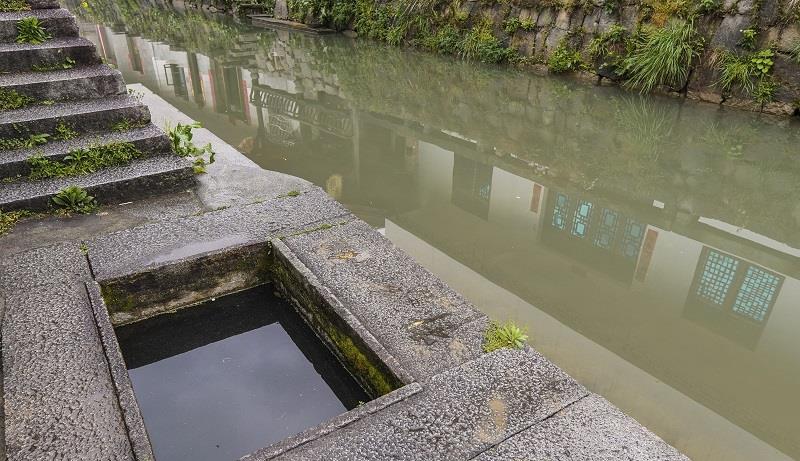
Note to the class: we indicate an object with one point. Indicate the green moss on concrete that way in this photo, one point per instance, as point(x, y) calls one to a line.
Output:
point(117, 300)
point(362, 364)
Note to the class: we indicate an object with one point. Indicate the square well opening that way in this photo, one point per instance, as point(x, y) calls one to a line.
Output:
point(224, 378)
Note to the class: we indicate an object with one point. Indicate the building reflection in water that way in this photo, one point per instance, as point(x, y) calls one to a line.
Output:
point(648, 292)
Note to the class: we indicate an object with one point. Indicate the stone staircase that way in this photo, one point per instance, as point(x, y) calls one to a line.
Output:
point(73, 101)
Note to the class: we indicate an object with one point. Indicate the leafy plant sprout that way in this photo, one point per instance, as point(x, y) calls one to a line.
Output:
point(30, 30)
point(181, 136)
point(75, 199)
point(505, 336)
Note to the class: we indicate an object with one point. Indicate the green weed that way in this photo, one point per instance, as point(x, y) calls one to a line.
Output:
point(75, 199)
point(67, 63)
point(14, 6)
point(84, 161)
point(9, 219)
point(30, 30)
point(564, 59)
point(505, 336)
point(663, 56)
point(10, 99)
point(181, 139)
point(64, 131)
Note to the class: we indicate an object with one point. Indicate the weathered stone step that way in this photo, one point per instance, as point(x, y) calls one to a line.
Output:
point(97, 81)
point(43, 4)
point(142, 178)
point(149, 140)
point(84, 117)
point(55, 54)
point(57, 23)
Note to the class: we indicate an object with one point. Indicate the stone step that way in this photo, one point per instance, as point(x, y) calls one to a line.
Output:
point(85, 117)
point(57, 23)
point(143, 178)
point(55, 54)
point(97, 81)
point(149, 140)
point(43, 4)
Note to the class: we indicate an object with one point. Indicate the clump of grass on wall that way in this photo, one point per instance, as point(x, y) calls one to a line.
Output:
point(480, 44)
point(663, 56)
point(564, 59)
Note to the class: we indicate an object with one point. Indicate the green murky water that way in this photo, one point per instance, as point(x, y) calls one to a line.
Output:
point(651, 247)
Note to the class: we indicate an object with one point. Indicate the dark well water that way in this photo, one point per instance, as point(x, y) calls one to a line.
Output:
point(650, 246)
point(223, 379)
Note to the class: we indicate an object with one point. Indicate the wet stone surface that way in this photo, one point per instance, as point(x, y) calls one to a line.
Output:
point(459, 413)
point(423, 323)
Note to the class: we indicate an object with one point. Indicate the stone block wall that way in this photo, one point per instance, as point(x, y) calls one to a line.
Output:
point(777, 23)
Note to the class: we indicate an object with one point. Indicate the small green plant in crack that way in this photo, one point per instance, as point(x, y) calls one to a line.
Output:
point(83, 161)
point(565, 59)
point(765, 91)
point(29, 142)
point(75, 199)
point(9, 219)
point(748, 40)
point(14, 6)
point(64, 131)
point(10, 100)
point(49, 66)
point(31, 31)
point(180, 137)
point(505, 336)
point(126, 124)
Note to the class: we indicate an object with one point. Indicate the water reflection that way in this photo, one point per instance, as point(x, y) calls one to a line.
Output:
point(651, 246)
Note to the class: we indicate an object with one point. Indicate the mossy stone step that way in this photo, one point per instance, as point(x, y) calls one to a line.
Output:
point(99, 81)
point(148, 140)
point(56, 54)
point(82, 117)
point(43, 4)
point(143, 178)
point(56, 22)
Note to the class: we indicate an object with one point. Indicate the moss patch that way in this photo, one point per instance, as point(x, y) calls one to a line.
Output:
point(10, 100)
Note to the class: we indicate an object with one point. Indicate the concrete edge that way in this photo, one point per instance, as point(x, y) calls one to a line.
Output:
point(288, 269)
point(334, 424)
point(132, 416)
point(181, 283)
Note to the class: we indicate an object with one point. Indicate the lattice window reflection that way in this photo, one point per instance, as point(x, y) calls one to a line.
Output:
point(580, 222)
point(607, 229)
point(560, 211)
point(756, 294)
point(632, 239)
point(717, 277)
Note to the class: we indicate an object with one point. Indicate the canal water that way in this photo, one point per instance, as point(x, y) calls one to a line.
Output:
point(651, 246)
point(223, 379)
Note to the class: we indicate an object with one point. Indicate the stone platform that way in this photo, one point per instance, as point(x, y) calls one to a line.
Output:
point(409, 339)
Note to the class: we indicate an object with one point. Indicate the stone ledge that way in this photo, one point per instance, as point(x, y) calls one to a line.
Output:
point(590, 429)
point(426, 325)
point(459, 414)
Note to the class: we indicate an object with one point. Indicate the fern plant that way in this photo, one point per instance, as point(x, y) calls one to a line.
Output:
point(30, 30)
point(505, 336)
point(75, 199)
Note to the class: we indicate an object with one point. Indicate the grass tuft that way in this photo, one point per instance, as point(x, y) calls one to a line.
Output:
point(663, 56)
point(30, 30)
